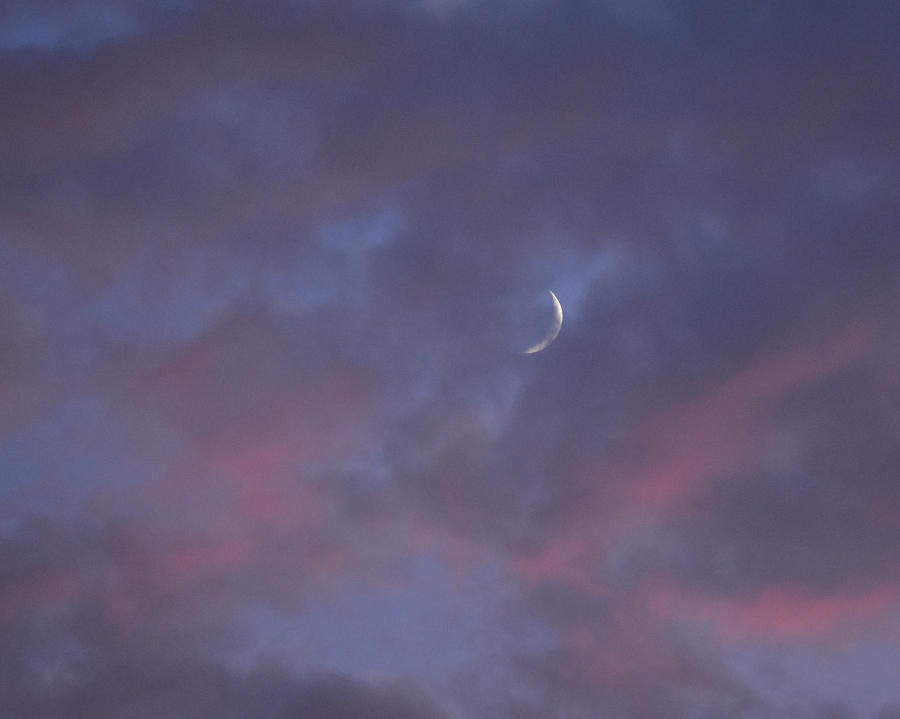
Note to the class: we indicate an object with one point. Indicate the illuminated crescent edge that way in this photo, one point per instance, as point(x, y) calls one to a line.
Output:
point(554, 330)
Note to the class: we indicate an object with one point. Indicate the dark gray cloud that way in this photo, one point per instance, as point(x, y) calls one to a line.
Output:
point(196, 689)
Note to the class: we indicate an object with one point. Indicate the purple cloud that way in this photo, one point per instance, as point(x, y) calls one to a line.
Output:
point(268, 442)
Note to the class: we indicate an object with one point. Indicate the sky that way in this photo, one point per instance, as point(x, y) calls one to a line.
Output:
point(269, 443)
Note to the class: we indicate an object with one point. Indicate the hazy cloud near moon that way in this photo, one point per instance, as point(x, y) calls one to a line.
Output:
point(268, 443)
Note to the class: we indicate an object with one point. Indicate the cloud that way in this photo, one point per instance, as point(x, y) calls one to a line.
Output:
point(615, 657)
point(783, 613)
point(268, 268)
point(136, 688)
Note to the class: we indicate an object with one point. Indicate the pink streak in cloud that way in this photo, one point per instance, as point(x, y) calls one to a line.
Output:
point(682, 451)
point(183, 563)
point(567, 559)
point(780, 612)
point(690, 445)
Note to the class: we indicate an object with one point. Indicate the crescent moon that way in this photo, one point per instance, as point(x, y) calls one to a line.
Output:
point(553, 331)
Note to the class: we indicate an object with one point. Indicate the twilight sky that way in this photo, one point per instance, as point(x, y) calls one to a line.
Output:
point(269, 446)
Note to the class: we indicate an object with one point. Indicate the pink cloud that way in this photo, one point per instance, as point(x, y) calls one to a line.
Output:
point(183, 563)
point(779, 612)
point(244, 493)
point(39, 588)
point(570, 558)
point(682, 449)
point(238, 503)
